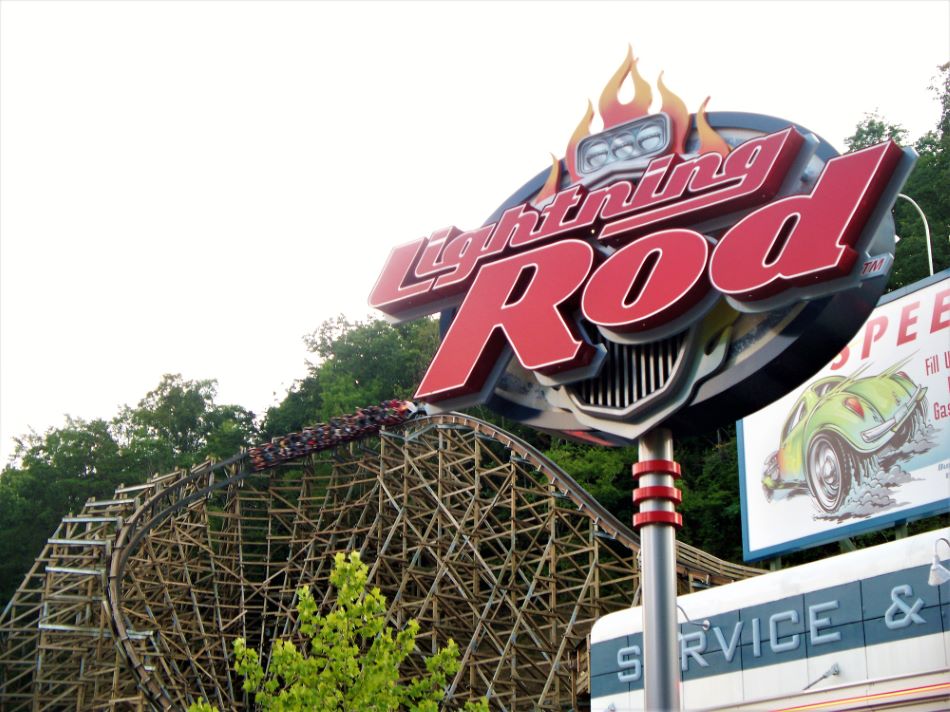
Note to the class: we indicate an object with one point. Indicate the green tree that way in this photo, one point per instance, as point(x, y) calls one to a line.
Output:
point(874, 129)
point(604, 472)
point(928, 185)
point(49, 476)
point(353, 661)
point(301, 407)
point(711, 510)
point(364, 362)
point(176, 425)
point(358, 363)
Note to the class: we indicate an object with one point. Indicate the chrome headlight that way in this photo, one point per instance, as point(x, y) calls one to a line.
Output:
point(636, 141)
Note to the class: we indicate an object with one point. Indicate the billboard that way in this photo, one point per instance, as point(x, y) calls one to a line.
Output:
point(672, 269)
point(865, 442)
point(848, 632)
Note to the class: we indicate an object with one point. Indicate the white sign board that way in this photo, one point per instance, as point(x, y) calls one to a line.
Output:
point(847, 632)
point(865, 443)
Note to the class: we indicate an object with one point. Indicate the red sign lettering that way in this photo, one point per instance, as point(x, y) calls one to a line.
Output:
point(521, 301)
point(671, 192)
point(649, 282)
point(873, 330)
point(608, 296)
point(941, 315)
point(518, 279)
point(907, 320)
point(691, 191)
point(804, 239)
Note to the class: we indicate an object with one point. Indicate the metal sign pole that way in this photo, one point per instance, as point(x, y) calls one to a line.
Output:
point(657, 522)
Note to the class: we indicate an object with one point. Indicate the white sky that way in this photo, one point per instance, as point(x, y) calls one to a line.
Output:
point(193, 186)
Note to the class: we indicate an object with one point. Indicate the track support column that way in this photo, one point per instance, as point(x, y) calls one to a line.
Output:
point(657, 522)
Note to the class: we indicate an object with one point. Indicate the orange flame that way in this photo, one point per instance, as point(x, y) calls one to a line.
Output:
point(581, 132)
point(709, 140)
point(675, 108)
point(612, 111)
point(552, 183)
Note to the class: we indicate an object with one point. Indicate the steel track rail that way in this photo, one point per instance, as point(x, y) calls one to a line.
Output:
point(204, 479)
point(689, 558)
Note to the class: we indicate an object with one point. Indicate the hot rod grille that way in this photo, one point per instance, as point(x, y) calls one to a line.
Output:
point(630, 372)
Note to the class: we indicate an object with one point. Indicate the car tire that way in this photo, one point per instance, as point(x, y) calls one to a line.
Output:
point(830, 468)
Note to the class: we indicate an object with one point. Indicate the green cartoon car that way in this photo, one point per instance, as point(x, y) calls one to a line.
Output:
point(834, 428)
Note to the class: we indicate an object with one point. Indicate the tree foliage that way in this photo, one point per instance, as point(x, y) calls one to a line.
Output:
point(604, 472)
point(928, 185)
point(710, 508)
point(358, 362)
point(874, 129)
point(353, 661)
point(176, 425)
point(54, 474)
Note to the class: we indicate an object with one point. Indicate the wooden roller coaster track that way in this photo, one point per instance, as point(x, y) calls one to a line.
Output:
point(135, 602)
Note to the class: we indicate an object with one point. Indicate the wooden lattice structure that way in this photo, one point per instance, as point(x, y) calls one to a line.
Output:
point(134, 602)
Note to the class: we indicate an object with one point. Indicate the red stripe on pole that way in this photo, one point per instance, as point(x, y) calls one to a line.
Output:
point(657, 492)
point(660, 517)
point(657, 467)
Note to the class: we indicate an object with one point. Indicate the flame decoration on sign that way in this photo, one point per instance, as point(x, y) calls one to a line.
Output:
point(613, 112)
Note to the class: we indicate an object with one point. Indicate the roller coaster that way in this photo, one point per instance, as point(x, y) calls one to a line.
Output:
point(136, 600)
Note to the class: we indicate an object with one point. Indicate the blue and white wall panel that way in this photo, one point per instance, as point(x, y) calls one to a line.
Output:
point(871, 613)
